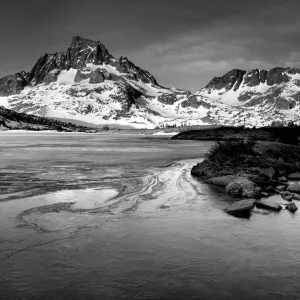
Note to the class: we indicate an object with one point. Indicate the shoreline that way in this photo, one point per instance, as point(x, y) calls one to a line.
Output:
point(251, 175)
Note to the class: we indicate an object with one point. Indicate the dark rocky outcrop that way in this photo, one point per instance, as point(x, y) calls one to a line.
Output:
point(97, 76)
point(124, 65)
point(231, 79)
point(45, 65)
point(52, 76)
point(291, 207)
point(194, 102)
point(168, 99)
point(277, 75)
point(255, 77)
point(13, 84)
point(82, 74)
point(281, 103)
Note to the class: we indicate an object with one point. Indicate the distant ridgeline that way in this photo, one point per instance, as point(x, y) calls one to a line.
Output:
point(10, 119)
point(281, 134)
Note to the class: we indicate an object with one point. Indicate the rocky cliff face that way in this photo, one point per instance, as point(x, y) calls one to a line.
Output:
point(81, 53)
point(13, 84)
point(87, 83)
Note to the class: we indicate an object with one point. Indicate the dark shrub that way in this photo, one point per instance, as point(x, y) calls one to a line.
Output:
point(231, 150)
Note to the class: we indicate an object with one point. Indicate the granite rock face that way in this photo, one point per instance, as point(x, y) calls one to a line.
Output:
point(124, 65)
point(13, 84)
point(228, 81)
point(97, 76)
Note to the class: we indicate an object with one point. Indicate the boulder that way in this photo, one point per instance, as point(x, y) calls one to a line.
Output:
point(260, 181)
point(294, 188)
point(287, 196)
point(270, 172)
point(241, 208)
point(243, 187)
point(268, 204)
point(275, 183)
point(221, 180)
point(296, 197)
point(291, 207)
point(281, 188)
point(264, 194)
point(282, 178)
point(294, 176)
point(270, 190)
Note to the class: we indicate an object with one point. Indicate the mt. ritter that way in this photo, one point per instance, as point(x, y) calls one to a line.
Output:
point(87, 83)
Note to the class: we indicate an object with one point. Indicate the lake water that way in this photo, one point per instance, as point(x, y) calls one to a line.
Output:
point(91, 216)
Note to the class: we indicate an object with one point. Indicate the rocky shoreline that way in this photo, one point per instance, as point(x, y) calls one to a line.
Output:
point(252, 178)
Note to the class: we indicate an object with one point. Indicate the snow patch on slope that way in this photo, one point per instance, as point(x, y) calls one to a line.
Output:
point(66, 76)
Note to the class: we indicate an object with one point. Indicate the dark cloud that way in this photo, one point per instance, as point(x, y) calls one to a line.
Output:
point(183, 43)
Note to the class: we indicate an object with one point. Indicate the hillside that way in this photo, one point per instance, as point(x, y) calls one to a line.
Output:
point(11, 120)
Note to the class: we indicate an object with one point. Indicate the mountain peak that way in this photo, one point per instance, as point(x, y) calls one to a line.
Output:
point(231, 79)
point(78, 41)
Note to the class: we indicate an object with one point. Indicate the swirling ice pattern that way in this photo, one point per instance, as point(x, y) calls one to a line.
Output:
point(160, 188)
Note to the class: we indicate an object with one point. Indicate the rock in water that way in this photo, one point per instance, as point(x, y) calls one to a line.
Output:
point(291, 207)
point(294, 188)
point(296, 197)
point(270, 190)
point(294, 176)
point(287, 196)
point(221, 180)
point(282, 178)
point(243, 187)
point(241, 208)
point(267, 204)
point(281, 188)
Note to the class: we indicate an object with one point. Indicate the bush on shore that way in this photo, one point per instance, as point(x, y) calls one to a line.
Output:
point(231, 150)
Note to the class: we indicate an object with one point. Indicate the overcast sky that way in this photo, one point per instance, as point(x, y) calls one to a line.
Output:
point(183, 43)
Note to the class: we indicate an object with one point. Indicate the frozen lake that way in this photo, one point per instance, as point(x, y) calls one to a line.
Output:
point(93, 216)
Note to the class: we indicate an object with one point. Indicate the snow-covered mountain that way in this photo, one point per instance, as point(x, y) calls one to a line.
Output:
point(87, 83)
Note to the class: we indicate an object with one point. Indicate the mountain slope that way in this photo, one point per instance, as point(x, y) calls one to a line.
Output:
point(10, 119)
point(88, 83)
